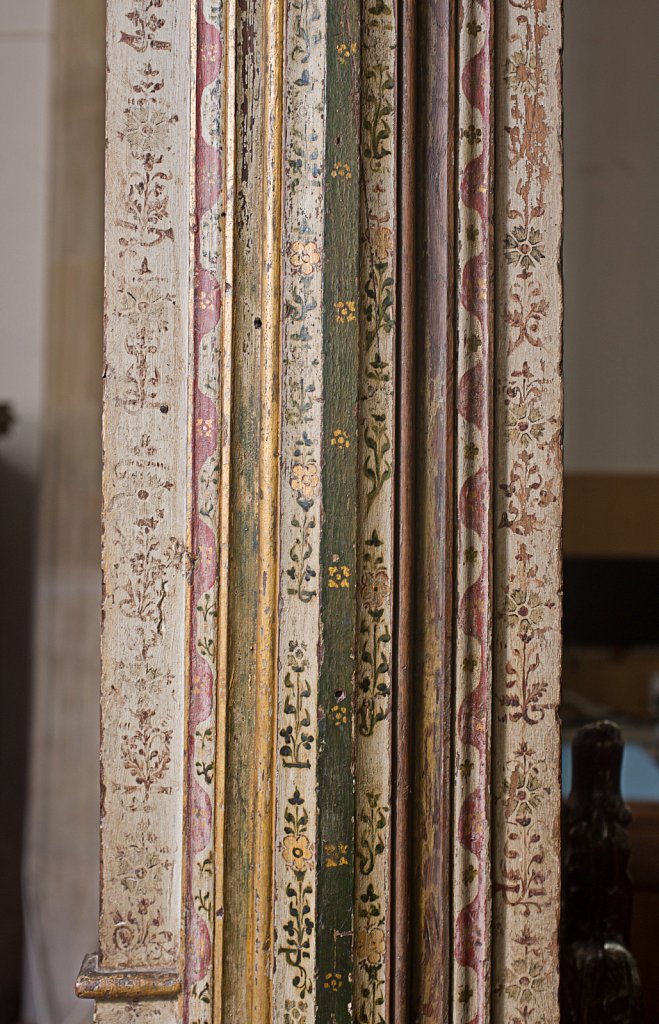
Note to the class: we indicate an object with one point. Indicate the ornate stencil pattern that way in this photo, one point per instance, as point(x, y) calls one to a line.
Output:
point(527, 520)
point(473, 676)
point(145, 560)
point(299, 622)
point(373, 727)
point(336, 689)
point(205, 455)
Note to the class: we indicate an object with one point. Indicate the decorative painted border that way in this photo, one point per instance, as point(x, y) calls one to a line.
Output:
point(202, 761)
point(145, 554)
point(473, 673)
point(528, 478)
point(375, 553)
point(336, 692)
point(302, 574)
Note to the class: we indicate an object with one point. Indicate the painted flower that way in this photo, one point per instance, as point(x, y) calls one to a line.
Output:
point(524, 73)
point(295, 1011)
point(523, 248)
point(464, 995)
point(297, 656)
point(472, 135)
point(524, 610)
point(369, 946)
point(305, 257)
point(524, 794)
point(470, 874)
point(345, 312)
point(340, 439)
point(341, 170)
point(336, 855)
point(145, 305)
point(333, 980)
point(524, 423)
point(375, 589)
point(305, 479)
point(382, 241)
point(344, 52)
point(297, 852)
point(146, 130)
point(339, 576)
point(339, 713)
point(524, 979)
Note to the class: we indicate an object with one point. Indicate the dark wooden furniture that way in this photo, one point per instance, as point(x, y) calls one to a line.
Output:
point(599, 977)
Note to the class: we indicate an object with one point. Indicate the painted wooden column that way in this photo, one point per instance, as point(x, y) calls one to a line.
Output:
point(528, 489)
point(332, 452)
point(147, 558)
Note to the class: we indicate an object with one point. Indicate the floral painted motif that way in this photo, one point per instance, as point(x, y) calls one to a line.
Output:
point(300, 445)
point(375, 564)
point(145, 559)
point(473, 468)
point(204, 782)
point(527, 522)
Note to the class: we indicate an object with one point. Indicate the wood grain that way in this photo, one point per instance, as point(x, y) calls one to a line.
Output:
point(431, 928)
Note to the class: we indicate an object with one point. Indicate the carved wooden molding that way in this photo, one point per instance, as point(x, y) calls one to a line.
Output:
point(332, 487)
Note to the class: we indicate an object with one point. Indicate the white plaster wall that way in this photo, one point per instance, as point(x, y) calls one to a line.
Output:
point(611, 255)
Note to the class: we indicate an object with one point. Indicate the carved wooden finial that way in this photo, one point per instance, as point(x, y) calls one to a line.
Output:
point(600, 982)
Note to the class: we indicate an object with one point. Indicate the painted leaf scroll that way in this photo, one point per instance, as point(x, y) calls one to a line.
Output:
point(332, 499)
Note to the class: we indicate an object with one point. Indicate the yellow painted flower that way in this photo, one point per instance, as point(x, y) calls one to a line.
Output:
point(340, 439)
point(339, 713)
point(344, 52)
point(339, 576)
point(297, 852)
point(305, 479)
point(345, 312)
point(305, 257)
point(204, 427)
point(369, 946)
point(341, 170)
point(333, 980)
point(336, 855)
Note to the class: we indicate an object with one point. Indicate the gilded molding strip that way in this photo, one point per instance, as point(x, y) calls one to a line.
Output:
point(473, 639)
point(145, 439)
point(105, 986)
point(300, 512)
point(336, 780)
point(528, 479)
point(205, 516)
point(244, 929)
point(373, 735)
point(261, 959)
